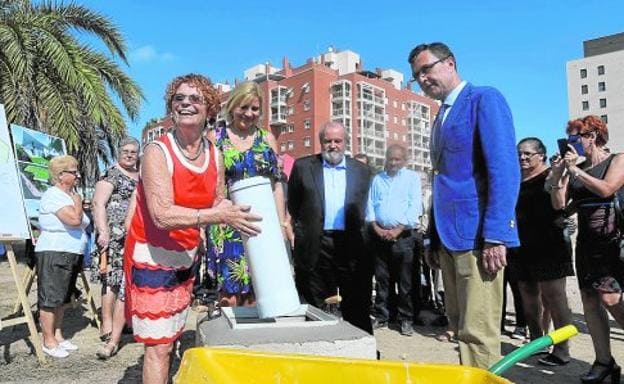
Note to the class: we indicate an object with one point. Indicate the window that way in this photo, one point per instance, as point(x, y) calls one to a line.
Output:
point(396, 120)
point(284, 129)
point(603, 103)
point(585, 105)
point(396, 136)
point(291, 145)
point(583, 73)
point(584, 89)
point(283, 147)
point(291, 110)
point(291, 128)
point(403, 106)
point(602, 86)
point(307, 142)
point(394, 104)
point(601, 70)
point(604, 119)
point(306, 105)
point(307, 124)
point(306, 88)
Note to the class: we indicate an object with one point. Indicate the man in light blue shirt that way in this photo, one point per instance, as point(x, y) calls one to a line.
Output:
point(393, 210)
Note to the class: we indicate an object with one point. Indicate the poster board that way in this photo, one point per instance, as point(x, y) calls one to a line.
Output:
point(34, 150)
point(13, 220)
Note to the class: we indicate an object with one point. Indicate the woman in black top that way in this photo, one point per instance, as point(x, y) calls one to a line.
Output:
point(591, 186)
point(542, 262)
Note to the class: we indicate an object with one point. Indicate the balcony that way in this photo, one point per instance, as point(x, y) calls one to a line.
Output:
point(374, 134)
point(278, 119)
point(338, 112)
point(338, 95)
point(278, 101)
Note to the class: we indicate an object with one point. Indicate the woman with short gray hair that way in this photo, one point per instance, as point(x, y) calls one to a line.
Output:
point(58, 251)
point(110, 206)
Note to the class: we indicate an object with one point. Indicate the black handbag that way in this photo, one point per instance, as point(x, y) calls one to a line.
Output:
point(618, 203)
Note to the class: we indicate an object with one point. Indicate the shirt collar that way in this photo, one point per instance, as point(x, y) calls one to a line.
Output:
point(450, 99)
point(341, 165)
point(387, 176)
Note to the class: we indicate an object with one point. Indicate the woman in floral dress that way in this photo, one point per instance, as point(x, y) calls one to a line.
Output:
point(110, 205)
point(247, 151)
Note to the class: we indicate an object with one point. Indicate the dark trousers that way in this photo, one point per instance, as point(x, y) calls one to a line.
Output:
point(517, 297)
point(339, 267)
point(393, 266)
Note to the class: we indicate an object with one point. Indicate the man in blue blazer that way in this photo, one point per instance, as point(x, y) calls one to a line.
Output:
point(476, 179)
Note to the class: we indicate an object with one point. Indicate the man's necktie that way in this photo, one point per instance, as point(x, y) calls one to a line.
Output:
point(436, 132)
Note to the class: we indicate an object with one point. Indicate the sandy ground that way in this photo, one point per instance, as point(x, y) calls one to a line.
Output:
point(19, 365)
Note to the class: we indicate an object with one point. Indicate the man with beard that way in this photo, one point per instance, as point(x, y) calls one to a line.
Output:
point(476, 179)
point(326, 200)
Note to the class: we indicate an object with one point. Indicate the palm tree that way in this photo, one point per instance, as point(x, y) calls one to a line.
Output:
point(52, 82)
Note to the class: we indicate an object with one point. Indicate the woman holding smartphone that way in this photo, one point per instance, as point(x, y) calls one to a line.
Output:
point(589, 188)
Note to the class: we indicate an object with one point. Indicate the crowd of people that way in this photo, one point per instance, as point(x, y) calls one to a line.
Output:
point(169, 234)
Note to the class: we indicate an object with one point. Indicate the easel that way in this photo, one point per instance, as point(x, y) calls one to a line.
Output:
point(22, 297)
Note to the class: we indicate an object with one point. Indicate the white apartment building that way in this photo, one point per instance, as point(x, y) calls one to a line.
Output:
point(596, 85)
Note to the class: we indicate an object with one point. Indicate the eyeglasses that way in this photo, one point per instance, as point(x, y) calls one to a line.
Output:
point(75, 173)
point(193, 99)
point(128, 152)
point(425, 69)
point(528, 154)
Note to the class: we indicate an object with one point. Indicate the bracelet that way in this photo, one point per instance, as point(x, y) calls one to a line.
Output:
point(197, 224)
point(551, 186)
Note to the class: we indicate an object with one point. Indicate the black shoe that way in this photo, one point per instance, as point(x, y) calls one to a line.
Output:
point(406, 328)
point(599, 371)
point(553, 360)
point(379, 324)
point(418, 321)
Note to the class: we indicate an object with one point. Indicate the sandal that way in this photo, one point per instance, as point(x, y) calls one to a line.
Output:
point(446, 337)
point(105, 351)
point(106, 337)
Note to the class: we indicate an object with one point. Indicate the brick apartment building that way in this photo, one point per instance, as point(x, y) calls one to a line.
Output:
point(377, 108)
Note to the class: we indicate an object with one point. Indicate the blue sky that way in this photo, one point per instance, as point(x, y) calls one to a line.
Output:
point(521, 47)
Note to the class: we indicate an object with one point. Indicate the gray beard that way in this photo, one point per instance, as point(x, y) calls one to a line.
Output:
point(333, 158)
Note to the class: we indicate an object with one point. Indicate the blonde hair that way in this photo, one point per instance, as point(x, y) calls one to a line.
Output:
point(243, 93)
point(59, 164)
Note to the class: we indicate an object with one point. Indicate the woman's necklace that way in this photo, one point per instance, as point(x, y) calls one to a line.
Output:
point(200, 150)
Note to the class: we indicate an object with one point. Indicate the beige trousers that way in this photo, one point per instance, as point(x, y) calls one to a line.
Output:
point(473, 301)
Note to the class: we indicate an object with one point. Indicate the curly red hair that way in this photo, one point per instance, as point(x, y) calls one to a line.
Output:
point(203, 85)
point(590, 123)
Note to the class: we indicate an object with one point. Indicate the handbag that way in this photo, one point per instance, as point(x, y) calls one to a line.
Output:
point(618, 203)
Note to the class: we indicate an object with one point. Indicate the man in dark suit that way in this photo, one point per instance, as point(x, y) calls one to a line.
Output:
point(327, 199)
point(476, 179)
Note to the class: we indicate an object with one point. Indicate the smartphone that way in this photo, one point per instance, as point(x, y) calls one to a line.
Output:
point(563, 146)
point(575, 141)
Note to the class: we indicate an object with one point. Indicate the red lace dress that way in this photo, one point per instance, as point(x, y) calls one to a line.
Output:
point(158, 262)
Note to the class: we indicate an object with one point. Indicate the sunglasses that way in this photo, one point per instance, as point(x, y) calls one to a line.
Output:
point(193, 99)
point(75, 173)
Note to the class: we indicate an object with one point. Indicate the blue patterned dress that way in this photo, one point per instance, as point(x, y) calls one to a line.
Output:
point(227, 264)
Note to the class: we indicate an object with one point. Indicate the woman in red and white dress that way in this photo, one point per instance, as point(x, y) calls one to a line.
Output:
point(180, 189)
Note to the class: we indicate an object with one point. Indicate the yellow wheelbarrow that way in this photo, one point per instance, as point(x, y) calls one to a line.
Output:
point(229, 366)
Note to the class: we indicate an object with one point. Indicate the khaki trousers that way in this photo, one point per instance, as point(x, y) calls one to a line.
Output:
point(473, 301)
